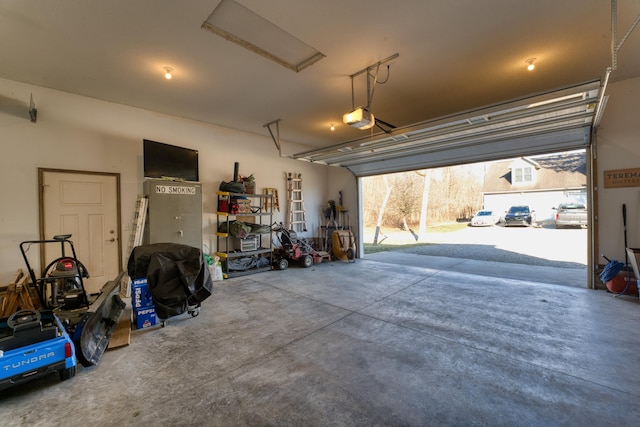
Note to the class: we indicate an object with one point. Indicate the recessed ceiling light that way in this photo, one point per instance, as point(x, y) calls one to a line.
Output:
point(246, 28)
point(530, 64)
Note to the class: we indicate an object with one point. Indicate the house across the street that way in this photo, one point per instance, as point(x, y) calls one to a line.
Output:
point(540, 182)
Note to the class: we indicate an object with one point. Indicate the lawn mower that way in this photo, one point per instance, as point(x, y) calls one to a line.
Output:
point(293, 249)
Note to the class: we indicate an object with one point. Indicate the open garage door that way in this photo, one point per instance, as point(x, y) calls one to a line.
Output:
point(553, 122)
point(550, 122)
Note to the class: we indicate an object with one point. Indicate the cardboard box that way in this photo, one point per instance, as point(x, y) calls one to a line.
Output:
point(244, 206)
point(140, 295)
point(145, 317)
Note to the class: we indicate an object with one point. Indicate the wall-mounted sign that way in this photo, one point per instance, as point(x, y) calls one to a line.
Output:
point(173, 189)
point(622, 178)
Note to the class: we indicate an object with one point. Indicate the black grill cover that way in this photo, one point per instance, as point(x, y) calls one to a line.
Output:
point(177, 276)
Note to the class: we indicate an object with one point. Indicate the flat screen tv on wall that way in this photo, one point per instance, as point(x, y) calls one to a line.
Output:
point(169, 161)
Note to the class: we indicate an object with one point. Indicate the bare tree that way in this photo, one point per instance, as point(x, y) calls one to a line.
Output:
point(423, 197)
point(422, 228)
point(382, 209)
point(404, 200)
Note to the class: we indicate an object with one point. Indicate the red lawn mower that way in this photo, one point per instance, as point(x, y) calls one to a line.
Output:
point(294, 249)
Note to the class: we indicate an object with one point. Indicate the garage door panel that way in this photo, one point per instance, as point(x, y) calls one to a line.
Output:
point(568, 139)
point(555, 121)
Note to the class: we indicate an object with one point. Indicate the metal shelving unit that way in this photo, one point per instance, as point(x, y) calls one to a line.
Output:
point(257, 246)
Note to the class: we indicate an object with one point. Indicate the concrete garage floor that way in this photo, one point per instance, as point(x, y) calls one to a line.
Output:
point(368, 343)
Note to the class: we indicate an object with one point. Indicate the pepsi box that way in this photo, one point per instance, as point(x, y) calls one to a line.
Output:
point(140, 295)
point(145, 317)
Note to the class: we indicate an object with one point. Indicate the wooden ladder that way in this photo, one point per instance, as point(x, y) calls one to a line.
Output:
point(273, 200)
point(17, 296)
point(297, 219)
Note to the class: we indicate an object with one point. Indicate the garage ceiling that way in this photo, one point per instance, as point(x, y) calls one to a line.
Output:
point(453, 56)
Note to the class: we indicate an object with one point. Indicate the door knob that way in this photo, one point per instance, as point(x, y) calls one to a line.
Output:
point(113, 239)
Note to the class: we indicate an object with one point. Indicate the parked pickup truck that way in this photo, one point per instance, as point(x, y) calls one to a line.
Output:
point(571, 214)
point(32, 344)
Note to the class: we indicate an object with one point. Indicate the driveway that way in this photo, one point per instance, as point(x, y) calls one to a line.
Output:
point(543, 246)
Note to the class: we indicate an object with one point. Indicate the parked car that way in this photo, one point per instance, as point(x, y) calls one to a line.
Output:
point(483, 218)
point(519, 215)
point(571, 214)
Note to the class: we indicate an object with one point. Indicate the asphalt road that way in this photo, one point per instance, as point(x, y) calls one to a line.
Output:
point(544, 246)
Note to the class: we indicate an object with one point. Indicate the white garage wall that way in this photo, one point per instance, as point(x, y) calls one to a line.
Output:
point(79, 133)
point(618, 147)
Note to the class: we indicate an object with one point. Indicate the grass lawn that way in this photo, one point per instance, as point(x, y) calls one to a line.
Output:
point(390, 240)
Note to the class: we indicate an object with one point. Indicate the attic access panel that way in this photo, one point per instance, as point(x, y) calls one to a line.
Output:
point(551, 122)
point(242, 26)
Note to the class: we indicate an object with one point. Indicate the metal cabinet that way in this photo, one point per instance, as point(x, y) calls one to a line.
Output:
point(250, 254)
point(174, 214)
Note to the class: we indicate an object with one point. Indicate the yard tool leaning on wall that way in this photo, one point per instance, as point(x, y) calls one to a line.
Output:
point(343, 245)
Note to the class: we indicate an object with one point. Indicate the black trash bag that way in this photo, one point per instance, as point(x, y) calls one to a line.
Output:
point(177, 276)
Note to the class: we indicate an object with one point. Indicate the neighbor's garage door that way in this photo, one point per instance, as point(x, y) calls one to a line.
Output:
point(552, 122)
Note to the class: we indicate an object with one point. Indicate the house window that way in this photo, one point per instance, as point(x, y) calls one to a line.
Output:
point(522, 175)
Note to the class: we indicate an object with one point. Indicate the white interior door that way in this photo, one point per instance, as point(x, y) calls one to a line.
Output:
point(85, 206)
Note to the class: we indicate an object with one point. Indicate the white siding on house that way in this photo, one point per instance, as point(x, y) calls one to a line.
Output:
point(523, 172)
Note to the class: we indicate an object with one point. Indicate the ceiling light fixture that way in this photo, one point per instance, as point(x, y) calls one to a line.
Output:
point(530, 64)
point(168, 73)
point(332, 127)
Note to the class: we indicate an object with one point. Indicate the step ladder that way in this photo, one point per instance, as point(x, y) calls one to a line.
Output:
point(297, 220)
point(137, 227)
point(271, 203)
point(137, 232)
point(17, 296)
